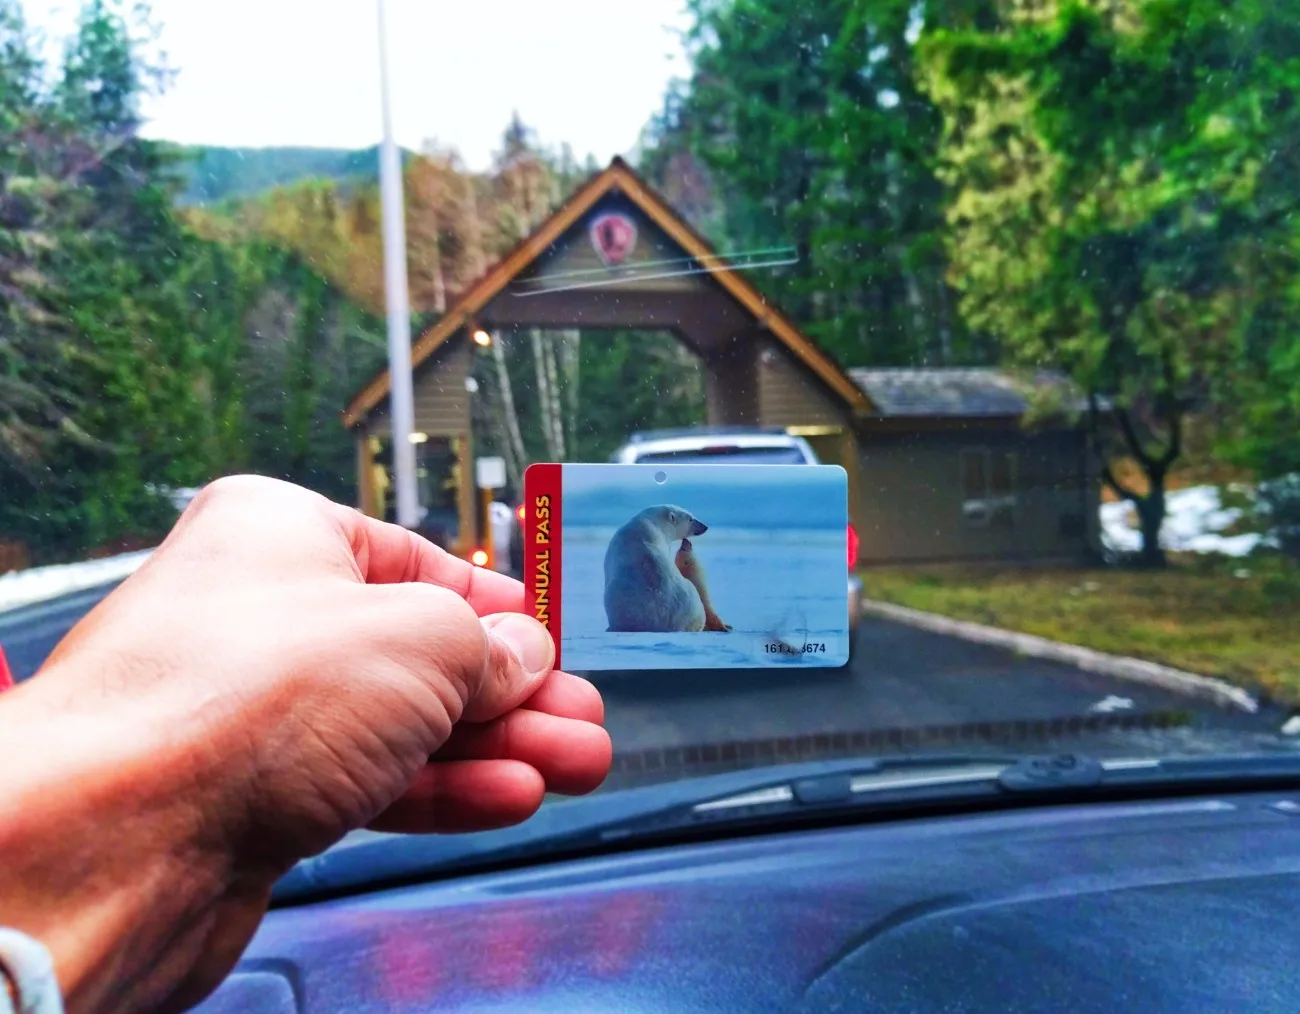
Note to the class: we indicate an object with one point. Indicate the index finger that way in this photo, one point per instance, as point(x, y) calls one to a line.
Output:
point(390, 554)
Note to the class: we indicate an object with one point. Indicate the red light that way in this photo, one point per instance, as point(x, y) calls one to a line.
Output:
point(519, 512)
point(853, 547)
point(479, 558)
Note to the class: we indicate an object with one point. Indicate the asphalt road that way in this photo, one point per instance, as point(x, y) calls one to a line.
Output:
point(905, 689)
point(29, 634)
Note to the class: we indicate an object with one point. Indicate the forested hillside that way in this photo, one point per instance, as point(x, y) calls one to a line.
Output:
point(213, 174)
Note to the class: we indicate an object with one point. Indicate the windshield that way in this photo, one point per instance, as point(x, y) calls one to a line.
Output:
point(1023, 270)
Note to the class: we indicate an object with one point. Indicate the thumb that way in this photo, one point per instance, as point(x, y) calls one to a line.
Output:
point(520, 657)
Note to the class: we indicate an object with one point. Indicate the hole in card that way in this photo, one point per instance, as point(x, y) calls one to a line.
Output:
point(661, 477)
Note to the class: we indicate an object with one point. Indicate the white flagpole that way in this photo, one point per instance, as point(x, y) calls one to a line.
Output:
point(401, 400)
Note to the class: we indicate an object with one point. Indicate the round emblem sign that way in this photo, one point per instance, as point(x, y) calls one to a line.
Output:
point(614, 237)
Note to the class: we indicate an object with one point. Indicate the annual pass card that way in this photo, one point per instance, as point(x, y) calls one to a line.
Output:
point(689, 566)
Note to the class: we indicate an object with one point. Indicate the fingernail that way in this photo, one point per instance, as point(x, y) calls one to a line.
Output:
point(528, 640)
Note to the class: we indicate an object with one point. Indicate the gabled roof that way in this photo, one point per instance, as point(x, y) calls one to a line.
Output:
point(620, 177)
point(971, 392)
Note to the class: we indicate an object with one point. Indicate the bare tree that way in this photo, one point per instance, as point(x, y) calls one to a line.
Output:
point(569, 348)
point(553, 389)
point(547, 394)
point(516, 457)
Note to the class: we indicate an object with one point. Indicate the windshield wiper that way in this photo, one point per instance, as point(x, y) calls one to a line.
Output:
point(913, 783)
point(765, 798)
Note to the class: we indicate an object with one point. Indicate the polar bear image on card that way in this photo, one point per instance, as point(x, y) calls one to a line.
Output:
point(688, 566)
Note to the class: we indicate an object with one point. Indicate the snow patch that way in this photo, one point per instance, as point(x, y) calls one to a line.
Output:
point(1195, 519)
point(180, 497)
point(24, 587)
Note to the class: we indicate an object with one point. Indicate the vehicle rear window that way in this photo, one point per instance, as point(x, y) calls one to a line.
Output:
point(729, 456)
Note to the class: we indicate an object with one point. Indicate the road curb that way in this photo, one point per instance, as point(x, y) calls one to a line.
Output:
point(9, 614)
point(1219, 691)
point(102, 573)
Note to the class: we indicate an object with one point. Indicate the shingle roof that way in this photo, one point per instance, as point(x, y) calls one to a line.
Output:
point(969, 392)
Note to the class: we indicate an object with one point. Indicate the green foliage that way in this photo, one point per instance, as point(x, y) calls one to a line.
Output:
point(802, 126)
point(635, 381)
point(76, 191)
point(99, 91)
point(1104, 187)
point(625, 381)
point(294, 356)
point(1122, 178)
point(631, 380)
point(135, 356)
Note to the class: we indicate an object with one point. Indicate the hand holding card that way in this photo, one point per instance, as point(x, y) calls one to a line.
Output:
point(617, 558)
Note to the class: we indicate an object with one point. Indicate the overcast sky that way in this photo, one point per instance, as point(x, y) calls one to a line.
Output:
point(305, 72)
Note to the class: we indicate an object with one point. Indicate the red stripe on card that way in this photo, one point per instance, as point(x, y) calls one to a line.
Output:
point(543, 491)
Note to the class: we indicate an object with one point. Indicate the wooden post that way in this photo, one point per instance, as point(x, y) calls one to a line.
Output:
point(838, 445)
point(465, 498)
point(485, 542)
point(731, 381)
point(367, 495)
point(853, 466)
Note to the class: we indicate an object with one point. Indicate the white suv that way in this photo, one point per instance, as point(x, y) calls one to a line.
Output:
point(735, 445)
point(718, 446)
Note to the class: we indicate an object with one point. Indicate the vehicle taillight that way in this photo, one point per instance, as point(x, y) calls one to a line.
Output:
point(519, 513)
point(479, 558)
point(853, 547)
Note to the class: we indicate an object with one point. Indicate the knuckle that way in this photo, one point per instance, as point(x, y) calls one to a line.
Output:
point(502, 668)
point(252, 504)
point(228, 486)
point(447, 637)
point(503, 682)
point(220, 494)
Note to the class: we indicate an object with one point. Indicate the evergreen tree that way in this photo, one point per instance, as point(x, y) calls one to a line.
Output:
point(803, 127)
point(33, 405)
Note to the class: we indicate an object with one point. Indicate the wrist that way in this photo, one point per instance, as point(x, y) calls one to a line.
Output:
point(100, 858)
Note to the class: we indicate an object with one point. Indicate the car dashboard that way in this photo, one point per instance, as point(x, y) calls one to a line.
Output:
point(1183, 904)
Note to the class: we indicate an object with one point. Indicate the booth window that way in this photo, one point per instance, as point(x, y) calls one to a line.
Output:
point(437, 478)
point(988, 480)
point(437, 475)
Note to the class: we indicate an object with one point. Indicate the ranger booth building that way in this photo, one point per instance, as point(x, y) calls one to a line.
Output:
point(942, 465)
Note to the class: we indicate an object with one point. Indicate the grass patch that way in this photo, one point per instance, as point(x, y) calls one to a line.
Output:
point(1236, 619)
